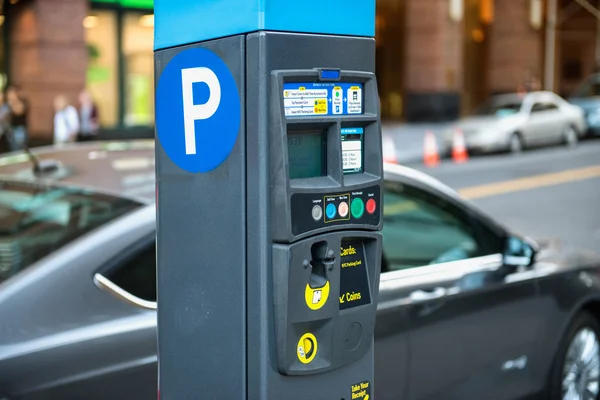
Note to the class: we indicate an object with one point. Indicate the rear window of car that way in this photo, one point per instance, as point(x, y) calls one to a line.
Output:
point(36, 220)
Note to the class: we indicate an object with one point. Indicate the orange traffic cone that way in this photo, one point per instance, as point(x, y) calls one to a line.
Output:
point(459, 148)
point(431, 156)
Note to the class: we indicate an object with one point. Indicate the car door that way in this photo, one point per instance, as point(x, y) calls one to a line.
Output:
point(131, 280)
point(391, 342)
point(558, 121)
point(472, 323)
point(545, 124)
point(116, 357)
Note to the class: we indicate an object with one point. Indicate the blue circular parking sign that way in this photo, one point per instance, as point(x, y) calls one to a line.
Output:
point(197, 110)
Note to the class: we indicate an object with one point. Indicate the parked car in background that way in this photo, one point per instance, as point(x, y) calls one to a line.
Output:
point(512, 122)
point(587, 96)
point(467, 310)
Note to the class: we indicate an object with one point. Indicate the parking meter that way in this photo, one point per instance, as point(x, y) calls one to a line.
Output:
point(269, 199)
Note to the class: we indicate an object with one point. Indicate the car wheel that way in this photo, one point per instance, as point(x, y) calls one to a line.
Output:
point(576, 370)
point(515, 144)
point(570, 137)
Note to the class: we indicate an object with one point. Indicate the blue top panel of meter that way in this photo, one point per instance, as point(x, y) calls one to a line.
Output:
point(181, 22)
point(323, 98)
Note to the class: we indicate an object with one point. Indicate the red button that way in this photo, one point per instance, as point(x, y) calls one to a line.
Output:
point(371, 206)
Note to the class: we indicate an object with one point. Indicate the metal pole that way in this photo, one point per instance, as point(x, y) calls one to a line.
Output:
point(550, 46)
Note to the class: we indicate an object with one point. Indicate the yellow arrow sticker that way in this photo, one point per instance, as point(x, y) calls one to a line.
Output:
point(307, 348)
point(316, 298)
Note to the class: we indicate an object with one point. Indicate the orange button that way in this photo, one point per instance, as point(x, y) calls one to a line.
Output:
point(343, 209)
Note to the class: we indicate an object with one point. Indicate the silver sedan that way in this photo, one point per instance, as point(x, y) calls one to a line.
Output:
point(512, 122)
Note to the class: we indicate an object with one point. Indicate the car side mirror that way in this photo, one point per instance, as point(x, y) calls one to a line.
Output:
point(519, 252)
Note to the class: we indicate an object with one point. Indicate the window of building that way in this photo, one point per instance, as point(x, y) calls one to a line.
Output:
point(139, 68)
point(103, 58)
point(121, 68)
point(572, 69)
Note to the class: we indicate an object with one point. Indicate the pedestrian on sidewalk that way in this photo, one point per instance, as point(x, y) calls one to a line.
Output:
point(531, 83)
point(66, 121)
point(88, 117)
point(18, 108)
point(4, 115)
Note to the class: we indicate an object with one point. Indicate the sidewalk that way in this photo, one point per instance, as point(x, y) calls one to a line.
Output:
point(408, 139)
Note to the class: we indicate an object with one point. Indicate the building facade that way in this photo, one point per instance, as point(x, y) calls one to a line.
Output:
point(436, 59)
point(56, 47)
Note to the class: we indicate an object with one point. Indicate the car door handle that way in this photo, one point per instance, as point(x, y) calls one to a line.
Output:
point(424, 295)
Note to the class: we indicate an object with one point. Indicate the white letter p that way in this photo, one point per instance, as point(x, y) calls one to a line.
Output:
point(193, 112)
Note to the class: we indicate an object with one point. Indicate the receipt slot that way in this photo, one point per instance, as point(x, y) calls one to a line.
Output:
point(269, 199)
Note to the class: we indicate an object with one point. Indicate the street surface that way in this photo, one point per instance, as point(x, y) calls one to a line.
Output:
point(551, 193)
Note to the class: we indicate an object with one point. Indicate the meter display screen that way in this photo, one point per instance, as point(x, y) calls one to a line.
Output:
point(306, 154)
point(352, 150)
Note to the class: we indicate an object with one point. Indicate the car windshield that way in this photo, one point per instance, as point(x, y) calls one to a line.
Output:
point(498, 107)
point(37, 220)
point(589, 88)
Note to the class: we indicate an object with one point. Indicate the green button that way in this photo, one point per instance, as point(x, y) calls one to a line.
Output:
point(357, 208)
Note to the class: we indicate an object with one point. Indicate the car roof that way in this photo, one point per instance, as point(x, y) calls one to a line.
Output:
point(520, 97)
point(126, 168)
point(122, 168)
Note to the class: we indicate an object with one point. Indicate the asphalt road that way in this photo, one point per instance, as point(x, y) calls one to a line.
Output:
point(551, 193)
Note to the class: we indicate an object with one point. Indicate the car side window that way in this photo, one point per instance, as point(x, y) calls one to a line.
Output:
point(420, 229)
point(544, 106)
point(538, 107)
point(137, 275)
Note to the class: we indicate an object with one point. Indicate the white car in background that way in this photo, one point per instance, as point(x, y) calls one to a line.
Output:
point(512, 122)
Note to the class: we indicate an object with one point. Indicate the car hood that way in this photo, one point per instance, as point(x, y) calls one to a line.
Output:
point(477, 123)
point(473, 124)
point(565, 257)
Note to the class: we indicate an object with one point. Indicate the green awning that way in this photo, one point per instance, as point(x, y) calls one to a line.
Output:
point(148, 4)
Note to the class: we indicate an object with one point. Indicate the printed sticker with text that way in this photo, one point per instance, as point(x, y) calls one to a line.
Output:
point(361, 391)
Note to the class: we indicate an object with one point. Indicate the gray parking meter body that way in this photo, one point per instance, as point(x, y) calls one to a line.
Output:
point(268, 217)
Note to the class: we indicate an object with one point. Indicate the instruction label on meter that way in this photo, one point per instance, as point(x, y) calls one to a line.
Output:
point(322, 98)
point(361, 391)
point(316, 297)
point(352, 149)
point(307, 348)
point(354, 282)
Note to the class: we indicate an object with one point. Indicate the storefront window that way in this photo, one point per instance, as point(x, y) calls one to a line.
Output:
point(102, 73)
point(138, 31)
